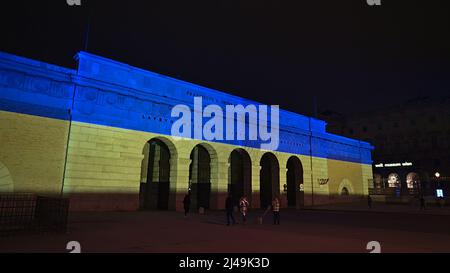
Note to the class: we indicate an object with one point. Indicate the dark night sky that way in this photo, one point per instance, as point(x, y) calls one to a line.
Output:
point(352, 56)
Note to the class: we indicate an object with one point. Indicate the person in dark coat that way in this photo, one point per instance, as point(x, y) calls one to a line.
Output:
point(369, 201)
point(186, 204)
point(229, 206)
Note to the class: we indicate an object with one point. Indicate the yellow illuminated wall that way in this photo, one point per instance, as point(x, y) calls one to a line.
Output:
point(105, 164)
point(101, 167)
point(32, 153)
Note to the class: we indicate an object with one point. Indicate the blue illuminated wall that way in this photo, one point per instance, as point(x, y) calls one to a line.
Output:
point(105, 92)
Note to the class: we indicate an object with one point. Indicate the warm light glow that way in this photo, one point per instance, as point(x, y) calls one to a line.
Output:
point(437, 174)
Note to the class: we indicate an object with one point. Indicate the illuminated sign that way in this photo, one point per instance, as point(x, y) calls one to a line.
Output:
point(404, 164)
point(392, 164)
point(439, 193)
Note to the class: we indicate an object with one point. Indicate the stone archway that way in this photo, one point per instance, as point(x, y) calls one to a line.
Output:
point(413, 183)
point(378, 181)
point(294, 178)
point(6, 181)
point(156, 168)
point(394, 181)
point(240, 175)
point(200, 176)
point(345, 191)
point(269, 179)
point(412, 180)
point(345, 188)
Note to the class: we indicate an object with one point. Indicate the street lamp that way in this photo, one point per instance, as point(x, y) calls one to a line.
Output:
point(438, 189)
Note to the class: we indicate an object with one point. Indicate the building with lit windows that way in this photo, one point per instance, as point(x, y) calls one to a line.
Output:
point(411, 140)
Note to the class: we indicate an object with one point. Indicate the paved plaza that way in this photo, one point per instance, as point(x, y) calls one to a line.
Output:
point(322, 229)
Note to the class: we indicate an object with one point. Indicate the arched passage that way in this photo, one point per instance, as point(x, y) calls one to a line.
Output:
point(240, 178)
point(294, 177)
point(6, 182)
point(377, 181)
point(345, 188)
point(394, 180)
point(413, 183)
point(200, 177)
point(413, 180)
point(345, 191)
point(269, 179)
point(155, 177)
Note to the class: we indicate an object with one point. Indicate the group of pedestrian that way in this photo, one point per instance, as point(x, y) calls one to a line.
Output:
point(243, 204)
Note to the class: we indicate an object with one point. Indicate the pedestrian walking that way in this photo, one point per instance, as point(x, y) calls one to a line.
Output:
point(186, 204)
point(229, 206)
point(243, 205)
point(276, 211)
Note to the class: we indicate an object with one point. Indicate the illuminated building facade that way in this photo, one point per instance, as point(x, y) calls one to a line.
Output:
point(101, 135)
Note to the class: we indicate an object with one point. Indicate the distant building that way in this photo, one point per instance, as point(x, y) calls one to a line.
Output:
point(411, 140)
